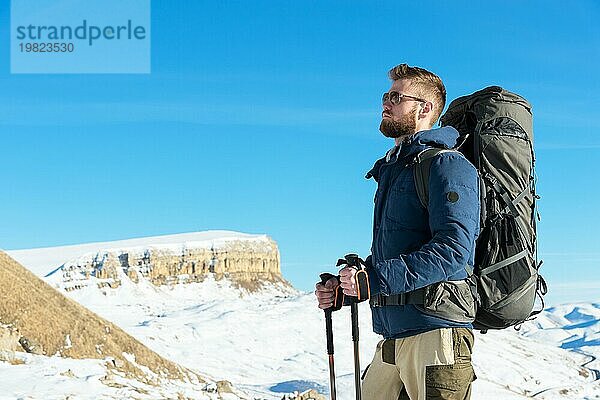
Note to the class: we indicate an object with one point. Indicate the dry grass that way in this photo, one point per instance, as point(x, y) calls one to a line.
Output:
point(17, 361)
point(45, 317)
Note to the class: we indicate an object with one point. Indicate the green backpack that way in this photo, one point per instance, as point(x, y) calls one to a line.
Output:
point(496, 135)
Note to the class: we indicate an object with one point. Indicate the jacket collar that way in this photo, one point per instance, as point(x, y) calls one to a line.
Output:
point(440, 137)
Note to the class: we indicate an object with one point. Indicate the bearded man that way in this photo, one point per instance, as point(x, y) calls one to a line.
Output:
point(419, 253)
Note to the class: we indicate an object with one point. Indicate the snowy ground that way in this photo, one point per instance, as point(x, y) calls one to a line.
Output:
point(39, 377)
point(273, 342)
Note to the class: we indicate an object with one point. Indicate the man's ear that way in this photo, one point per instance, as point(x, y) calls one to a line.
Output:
point(425, 110)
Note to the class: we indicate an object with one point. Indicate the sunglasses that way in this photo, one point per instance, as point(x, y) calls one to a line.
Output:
point(396, 98)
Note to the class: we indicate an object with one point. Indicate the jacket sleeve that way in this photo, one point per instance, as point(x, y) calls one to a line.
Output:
point(454, 223)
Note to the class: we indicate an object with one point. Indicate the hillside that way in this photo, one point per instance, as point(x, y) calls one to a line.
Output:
point(38, 319)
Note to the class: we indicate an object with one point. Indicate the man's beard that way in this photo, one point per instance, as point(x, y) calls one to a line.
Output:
point(403, 127)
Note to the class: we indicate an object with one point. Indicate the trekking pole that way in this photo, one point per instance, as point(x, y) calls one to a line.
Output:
point(329, 332)
point(354, 318)
point(362, 283)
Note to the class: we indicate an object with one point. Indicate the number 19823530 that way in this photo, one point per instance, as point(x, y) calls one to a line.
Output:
point(47, 47)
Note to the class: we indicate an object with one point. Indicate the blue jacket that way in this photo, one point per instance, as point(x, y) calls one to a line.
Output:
point(414, 247)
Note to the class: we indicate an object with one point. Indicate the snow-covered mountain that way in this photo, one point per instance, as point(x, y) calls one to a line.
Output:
point(247, 260)
point(272, 342)
point(40, 259)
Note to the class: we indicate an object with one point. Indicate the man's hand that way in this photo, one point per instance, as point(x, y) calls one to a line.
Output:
point(326, 293)
point(348, 281)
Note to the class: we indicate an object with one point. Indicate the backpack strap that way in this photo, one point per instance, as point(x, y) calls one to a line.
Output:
point(401, 299)
point(422, 165)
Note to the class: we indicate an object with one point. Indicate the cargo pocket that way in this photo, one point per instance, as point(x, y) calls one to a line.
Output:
point(463, 340)
point(448, 382)
point(453, 382)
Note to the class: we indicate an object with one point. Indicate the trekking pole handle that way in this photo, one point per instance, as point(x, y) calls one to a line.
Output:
point(362, 280)
point(338, 299)
point(351, 260)
point(325, 276)
point(328, 323)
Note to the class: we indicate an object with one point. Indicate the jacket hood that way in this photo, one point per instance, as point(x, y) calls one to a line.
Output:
point(444, 137)
point(440, 137)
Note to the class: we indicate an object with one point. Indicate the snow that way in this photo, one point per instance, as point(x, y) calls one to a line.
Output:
point(40, 377)
point(272, 342)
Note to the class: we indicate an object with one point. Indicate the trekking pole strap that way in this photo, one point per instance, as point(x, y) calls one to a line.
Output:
point(414, 297)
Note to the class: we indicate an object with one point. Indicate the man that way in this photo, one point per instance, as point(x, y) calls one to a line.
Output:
point(419, 255)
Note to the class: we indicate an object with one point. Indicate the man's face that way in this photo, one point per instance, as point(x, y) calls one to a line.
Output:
point(399, 120)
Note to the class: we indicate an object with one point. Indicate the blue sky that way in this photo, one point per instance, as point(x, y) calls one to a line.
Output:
point(262, 117)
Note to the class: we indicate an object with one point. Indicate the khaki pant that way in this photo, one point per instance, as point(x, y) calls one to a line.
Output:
point(430, 366)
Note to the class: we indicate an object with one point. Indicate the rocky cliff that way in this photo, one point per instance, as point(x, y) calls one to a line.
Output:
point(248, 261)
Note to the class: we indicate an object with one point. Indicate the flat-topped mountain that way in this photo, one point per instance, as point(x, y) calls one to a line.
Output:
point(247, 260)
